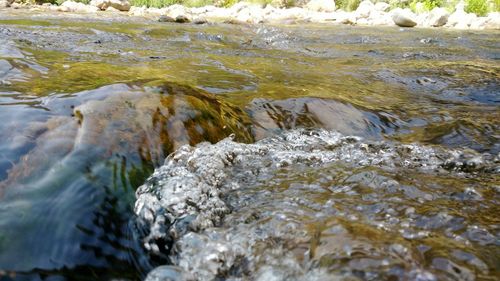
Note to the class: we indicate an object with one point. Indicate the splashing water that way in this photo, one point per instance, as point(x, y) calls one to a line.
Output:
point(317, 205)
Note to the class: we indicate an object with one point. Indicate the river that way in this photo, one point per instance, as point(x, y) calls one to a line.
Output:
point(131, 149)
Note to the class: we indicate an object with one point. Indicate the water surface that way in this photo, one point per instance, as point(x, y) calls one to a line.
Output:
point(90, 107)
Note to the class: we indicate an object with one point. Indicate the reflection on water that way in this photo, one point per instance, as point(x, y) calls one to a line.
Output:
point(89, 109)
point(319, 113)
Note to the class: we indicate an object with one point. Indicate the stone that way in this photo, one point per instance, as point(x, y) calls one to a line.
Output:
point(70, 6)
point(437, 17)
point(16, 5)
point(493, 21)
point(460, 19)
point(202, 10)
point(137, 11)
point(5, 3)
point(121, 5)
point(382, 7)
point(321, 6)
point(200, 20)
point(250, 14)
point(111, 9)
point(181, 19)
point(63, 9)
point(155, 12)
point(165, 18)
point(479, 23)
point(380, 18)
point(404, 17)
point(346, 18)
point(364, 9)
point(239, 6)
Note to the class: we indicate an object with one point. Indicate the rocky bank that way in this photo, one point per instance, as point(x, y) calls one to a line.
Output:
point(314, 11)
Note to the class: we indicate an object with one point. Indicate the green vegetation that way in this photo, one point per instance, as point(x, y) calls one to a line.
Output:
point(259, 2)
point(154, 3)
point(495, 7)
point(399, 3)
point(478, 7)
point(428, 5)
point(348, 5)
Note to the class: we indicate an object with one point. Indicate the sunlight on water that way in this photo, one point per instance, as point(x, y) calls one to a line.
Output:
point(355, 153)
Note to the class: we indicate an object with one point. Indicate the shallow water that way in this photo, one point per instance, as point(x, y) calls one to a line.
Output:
point(90, 107)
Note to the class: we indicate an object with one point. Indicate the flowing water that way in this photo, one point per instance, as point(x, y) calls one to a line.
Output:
point(300, 152)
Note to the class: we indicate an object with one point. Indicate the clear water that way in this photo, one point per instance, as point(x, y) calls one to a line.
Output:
point(356, 153)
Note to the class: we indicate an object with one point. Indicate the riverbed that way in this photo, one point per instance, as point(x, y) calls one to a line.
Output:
point(131, 148)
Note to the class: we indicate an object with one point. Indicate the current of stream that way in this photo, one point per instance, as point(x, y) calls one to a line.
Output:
point(132, 149)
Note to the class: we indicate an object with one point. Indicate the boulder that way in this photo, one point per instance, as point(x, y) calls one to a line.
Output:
point(202, 10)
point(250, 14)
point(70, 6)
point(165, 18)
point(239, 6)
point(404, 17)
point(6, 3)
point(364, 9)
point(346, 18)
point(493, 21)
point(461, 19)
point(382, 7)
point(176, 10)
point(121, 5)
point(181, 19)
point(380, 18)
point(437, 17)
point(200, 20)
point(111, 9)
point(321, 6)
point(17, 5)
point(137, 11)
point(479, 23)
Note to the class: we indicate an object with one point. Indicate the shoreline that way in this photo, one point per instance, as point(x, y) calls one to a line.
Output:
point(367, 14)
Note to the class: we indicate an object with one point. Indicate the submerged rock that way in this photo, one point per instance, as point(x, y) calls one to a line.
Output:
point(110, 137)
point(271, 117)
